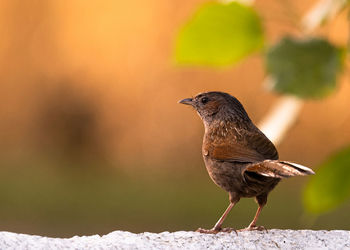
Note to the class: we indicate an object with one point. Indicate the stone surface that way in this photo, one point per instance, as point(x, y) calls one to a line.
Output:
point(273, 239)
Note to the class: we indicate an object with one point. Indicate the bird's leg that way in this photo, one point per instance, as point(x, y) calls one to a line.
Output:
point(261, 200)
point(252, 226)
point(217, 228)
point(223, 217)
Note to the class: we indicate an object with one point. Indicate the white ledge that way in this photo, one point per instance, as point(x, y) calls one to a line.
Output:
point(273, 239)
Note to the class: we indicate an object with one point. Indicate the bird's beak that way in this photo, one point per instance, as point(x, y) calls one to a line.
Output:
point(187, 101)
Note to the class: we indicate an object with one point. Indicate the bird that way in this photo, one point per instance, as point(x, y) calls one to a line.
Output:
point(238, 156)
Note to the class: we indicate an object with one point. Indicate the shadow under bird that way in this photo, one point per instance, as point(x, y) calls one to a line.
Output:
point(238, 156)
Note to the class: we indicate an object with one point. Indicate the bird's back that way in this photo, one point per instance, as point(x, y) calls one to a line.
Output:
point(233, 142)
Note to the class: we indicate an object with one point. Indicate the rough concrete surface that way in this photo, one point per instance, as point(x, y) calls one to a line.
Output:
point(273, 239)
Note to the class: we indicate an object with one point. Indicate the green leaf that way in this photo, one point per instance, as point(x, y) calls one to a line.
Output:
point(305, 68)
point(219, 34)
point(331, 184)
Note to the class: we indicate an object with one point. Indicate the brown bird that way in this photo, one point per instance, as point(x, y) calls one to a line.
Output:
point(238, 156)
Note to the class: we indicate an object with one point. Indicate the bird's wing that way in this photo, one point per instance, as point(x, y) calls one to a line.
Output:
point(247, 146)
point(277, 169)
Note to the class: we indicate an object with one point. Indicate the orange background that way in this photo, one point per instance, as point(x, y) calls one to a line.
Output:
point(96, 81)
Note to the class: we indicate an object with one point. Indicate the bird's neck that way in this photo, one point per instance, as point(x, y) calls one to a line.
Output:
point(218, 129)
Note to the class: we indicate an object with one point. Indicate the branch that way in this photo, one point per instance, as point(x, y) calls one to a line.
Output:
point(281, 118)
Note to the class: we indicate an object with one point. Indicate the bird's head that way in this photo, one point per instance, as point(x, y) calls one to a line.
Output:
point(216, 106)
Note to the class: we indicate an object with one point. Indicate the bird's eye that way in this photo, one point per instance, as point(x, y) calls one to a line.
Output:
point(204, 100)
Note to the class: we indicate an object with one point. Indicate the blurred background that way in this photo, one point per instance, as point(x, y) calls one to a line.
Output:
point(92, 138)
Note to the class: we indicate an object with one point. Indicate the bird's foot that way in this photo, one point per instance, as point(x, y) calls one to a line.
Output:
point(253, 228)
point(216, 230)
point(208, 231)
point(228, 230)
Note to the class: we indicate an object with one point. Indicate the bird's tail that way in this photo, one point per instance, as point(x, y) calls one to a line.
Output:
point(279, 169)
point(301, 170)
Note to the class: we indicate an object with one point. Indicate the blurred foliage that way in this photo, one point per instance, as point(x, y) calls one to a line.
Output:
point(305, 68)
point(331, 186)
point(219, 34)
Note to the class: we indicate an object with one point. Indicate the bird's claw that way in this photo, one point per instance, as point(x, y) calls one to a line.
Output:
point(216, 230)
point(207, 231)
point(228, 230)
point(253, 228)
